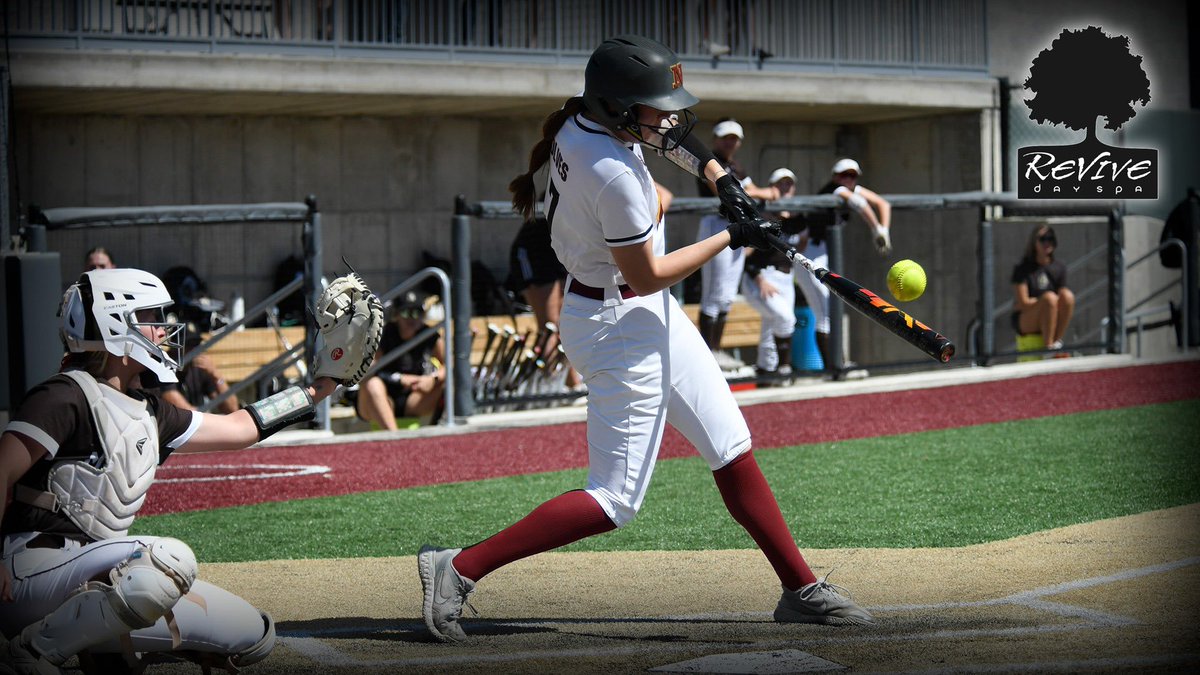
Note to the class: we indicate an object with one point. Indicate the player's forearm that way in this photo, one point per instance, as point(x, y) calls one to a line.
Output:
point(679, 264)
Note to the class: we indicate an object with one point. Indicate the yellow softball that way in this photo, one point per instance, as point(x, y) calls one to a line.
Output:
point(906, 280)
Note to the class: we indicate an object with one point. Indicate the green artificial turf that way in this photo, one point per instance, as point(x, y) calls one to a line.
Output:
point(932, 489)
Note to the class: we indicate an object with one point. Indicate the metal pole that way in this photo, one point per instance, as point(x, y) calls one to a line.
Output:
point(5, 204)
point(833, 241)
point(986, 264)
point(460, 244)
point(1116, 284)
point(35, 238)
point(312, 290)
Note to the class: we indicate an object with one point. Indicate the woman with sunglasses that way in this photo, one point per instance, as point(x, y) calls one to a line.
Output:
point(1043, 303)
point(411, 385)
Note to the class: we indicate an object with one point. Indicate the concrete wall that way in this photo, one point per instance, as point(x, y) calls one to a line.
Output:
point(386, 185)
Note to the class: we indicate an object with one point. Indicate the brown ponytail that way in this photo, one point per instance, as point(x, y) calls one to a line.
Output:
point(522, 188)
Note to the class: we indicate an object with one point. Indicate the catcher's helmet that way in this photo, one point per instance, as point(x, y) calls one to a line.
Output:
point(100, 313)
point(631, 70)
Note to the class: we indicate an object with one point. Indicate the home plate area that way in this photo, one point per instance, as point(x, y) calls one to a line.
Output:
point(1064, 627)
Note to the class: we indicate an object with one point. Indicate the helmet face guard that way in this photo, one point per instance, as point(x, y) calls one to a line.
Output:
point(629, 71)
point(106, 310)
point(657, 137)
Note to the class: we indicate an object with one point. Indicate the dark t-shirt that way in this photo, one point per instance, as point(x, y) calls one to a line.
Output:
point(415, 361)
point(55, 414)
point(1040, 279)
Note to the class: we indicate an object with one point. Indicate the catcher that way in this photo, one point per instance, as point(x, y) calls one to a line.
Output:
point(79, 456)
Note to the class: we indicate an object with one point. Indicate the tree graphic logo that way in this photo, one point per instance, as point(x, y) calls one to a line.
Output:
point(1086, 75)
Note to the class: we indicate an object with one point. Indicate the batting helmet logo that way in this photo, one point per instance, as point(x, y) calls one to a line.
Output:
point(677, 76)
point(336, 354)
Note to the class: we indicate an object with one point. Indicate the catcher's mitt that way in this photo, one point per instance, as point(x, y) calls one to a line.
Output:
point(350, 325)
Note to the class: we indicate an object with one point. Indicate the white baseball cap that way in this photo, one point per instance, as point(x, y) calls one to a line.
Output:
point(779, 174)
point(728, 128)
point(847, 164)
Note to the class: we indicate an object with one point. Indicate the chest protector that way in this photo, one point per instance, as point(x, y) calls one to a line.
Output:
point(103, 500)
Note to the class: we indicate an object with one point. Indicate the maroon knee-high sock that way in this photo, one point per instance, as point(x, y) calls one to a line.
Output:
point(566, 518)
point(752, 504)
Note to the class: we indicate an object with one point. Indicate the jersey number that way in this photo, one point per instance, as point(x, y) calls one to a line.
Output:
point(553, 205)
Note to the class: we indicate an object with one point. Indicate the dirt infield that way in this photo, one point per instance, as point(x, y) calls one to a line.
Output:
point(1120, 595)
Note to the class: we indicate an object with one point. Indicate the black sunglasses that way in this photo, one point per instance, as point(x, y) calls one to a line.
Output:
point(1048, 239)
point(410, 313)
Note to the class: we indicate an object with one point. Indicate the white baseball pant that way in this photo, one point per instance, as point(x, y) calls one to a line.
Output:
point(720, 276)
point(645, 366)
point(210, 619)
point(778, 313)
point(816, 294)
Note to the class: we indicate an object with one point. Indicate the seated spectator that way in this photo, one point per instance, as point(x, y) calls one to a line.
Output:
point(98, 259)
point(1043, 303)
point(411, 385)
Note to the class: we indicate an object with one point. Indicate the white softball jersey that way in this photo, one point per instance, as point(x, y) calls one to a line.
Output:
point(643, 361)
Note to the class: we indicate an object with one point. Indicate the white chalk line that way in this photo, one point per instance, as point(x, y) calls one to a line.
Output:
point(310, 644)
point(271, 471)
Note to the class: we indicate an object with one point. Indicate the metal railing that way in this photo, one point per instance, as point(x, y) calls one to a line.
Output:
point(1135, 311)
point(444, 326)
point(896, 35)
point(466, 211)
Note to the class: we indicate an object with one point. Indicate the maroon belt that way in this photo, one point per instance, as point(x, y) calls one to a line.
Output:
point(593, 293)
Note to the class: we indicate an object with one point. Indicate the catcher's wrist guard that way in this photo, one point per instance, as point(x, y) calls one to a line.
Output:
point(281, 410)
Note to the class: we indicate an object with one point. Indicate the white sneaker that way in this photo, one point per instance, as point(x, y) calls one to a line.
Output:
point(445, 592)
point(726, 361)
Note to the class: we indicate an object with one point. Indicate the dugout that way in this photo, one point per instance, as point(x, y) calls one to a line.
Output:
point(966, 301)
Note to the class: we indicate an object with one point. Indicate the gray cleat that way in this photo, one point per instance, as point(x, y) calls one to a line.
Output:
point(445, 592)
point(821, 602)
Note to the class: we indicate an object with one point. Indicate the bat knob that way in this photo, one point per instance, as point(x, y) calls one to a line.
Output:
point(947, 352)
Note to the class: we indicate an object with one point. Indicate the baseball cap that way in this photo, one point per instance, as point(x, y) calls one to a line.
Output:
point(847, 164)
point(409, 303)
point(728, 127)
point(779, 174)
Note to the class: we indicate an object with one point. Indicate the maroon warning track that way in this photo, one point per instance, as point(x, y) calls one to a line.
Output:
point(197, 482)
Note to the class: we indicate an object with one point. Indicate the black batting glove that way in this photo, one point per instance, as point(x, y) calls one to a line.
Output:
point(753, 233)
point(736, 205)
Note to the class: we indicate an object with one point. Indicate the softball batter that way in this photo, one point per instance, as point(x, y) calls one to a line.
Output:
point(643, 361)
point(78, 458)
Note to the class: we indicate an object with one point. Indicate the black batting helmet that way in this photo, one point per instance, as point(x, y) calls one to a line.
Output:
point(630, 70)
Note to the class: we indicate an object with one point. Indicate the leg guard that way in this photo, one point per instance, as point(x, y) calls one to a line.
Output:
point(261, 649)
point(706, 329)
point(718, 330)
point(783, 345)
point(142, 589)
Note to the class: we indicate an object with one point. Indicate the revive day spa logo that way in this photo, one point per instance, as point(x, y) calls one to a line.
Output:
point(1085, 75)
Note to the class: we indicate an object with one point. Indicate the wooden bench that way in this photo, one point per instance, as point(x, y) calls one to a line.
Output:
point(239, 354)
point(741, 327)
